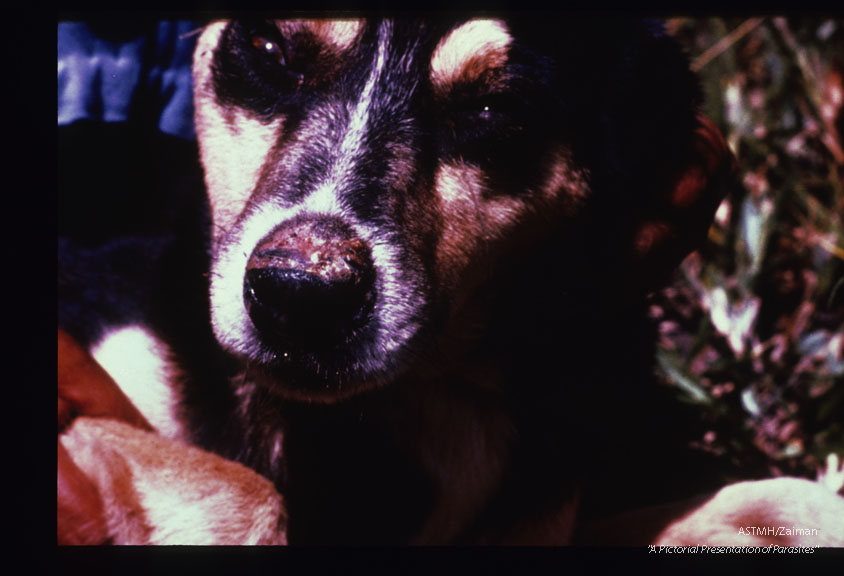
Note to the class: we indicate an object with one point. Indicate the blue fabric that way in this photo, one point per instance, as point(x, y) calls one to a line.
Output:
point(142, 77)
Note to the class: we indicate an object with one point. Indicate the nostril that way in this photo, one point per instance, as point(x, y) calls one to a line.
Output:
point(277, 292)
point(291, 307)
point(309, 286)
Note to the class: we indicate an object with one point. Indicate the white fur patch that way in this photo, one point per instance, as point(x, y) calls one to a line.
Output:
point(458, 182)
point(477, 41)
point(233, 145)
point(460, 187)
point(139, 363)
point(351, 145)
point(339, 33)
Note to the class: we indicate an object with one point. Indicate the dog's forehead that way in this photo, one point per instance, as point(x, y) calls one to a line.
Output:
point(461, 51)
point(456, 51)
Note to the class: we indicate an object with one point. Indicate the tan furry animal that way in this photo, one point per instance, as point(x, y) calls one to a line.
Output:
point(160, 491)
point(790, 512)
point(784, 512)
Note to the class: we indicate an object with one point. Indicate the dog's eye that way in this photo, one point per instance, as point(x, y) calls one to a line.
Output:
point(501, 114)
point(269, 48)
point(493, 129)
point(256, 67)
point(495, 108)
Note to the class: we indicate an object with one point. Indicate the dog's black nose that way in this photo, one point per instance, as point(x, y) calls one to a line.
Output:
point(309, 284)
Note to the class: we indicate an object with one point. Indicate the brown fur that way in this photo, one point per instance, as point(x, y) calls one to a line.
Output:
point(159, 491)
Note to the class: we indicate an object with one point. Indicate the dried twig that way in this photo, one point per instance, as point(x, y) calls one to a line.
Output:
point(813, 78)
point(724, 43)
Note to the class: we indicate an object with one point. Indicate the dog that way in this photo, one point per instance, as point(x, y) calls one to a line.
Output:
point(430, 248)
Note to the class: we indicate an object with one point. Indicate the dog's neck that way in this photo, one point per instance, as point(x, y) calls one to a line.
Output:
point(478, 447)
point(421, 461)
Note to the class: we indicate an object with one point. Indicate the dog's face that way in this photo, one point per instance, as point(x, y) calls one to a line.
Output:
point(355, 171)
point(365, 178)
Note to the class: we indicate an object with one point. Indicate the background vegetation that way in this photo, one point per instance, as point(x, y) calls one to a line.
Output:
point(752, 328)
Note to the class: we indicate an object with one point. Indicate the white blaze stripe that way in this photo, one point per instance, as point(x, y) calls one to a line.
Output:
point(352, 143)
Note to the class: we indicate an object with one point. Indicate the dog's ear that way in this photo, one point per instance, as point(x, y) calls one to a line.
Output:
point(675, 220)
point(631, 105)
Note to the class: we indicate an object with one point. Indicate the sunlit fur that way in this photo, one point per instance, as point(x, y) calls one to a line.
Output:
point(468, 51)
point(160, 491)
point(143, 367)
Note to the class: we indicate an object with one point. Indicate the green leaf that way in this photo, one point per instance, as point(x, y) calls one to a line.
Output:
point(672, 368)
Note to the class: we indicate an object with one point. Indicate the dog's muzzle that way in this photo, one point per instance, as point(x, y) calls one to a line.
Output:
point(310, 285)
